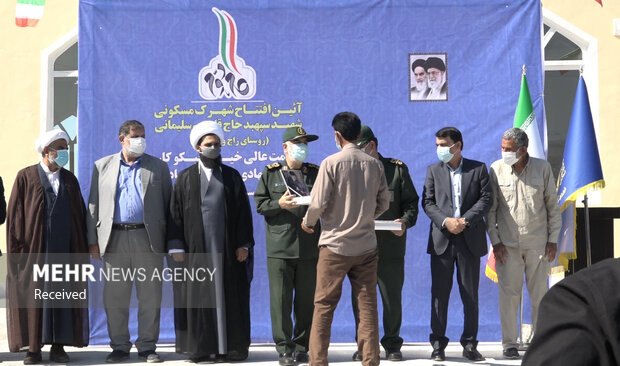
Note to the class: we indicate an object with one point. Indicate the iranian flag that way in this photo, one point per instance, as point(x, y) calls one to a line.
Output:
point(526, 120)
point(29, 12)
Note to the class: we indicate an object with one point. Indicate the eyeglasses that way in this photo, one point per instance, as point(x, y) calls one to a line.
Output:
point(434, 73)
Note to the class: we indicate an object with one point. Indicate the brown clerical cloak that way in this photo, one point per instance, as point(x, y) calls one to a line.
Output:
point(28, 234)
point(195, 326)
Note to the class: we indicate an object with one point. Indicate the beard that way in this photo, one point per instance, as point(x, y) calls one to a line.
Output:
point(421, 85)
point(437, 83)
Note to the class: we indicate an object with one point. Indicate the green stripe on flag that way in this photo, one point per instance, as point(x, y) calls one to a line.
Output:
point(32, 2)
point(223, 40)
point(525, 112)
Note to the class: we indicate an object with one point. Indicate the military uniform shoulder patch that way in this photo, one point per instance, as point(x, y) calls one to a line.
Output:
point(314, 166)
point(396, 161)
point(274, 166)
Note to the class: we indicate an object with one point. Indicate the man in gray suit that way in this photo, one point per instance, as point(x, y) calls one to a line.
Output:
point(128, 213)
point(456, 197)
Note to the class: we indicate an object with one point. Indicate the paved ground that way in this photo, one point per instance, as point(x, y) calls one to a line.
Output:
point(414, 354)
point(265, 354)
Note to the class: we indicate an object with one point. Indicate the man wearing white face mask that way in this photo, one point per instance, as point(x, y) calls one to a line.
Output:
point(456, 198)
point(46, 219)
point(524, 224)
point(291, 253)
point(127, 224)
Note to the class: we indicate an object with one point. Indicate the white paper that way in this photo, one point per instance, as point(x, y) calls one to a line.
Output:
point(303, 200)
point(388, 225)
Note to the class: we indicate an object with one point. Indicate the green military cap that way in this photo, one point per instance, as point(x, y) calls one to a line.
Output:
point(365, 136)
point(293, 133)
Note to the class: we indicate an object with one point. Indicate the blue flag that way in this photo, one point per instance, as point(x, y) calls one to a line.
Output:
point(581, 169)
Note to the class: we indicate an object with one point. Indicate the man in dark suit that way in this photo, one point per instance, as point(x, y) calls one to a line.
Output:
point(456, 198)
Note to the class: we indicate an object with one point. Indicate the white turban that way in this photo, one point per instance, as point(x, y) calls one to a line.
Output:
point(48, 137)
point(205, 128)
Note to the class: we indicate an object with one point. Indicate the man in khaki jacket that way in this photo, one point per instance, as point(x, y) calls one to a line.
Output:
point(524, 224)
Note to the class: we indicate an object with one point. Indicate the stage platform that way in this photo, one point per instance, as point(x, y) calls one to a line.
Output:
point(265, 354)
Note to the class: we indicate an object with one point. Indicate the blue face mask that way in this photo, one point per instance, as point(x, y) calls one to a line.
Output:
point(444, 154)
point(62, 159)
point(298, 152)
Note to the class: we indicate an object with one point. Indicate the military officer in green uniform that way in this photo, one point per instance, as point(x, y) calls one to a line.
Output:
point(291, 253)
point(391, 245)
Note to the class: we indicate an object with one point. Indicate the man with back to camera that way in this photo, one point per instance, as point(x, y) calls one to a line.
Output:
point(524, 224)
point(349, 193)
point(420, 88)
point(291, 252)
point(391, 245)
point(436, 74)
point(127, 224)
point(456, 198)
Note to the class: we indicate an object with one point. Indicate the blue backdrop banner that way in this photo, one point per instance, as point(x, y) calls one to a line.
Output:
point(260, 66)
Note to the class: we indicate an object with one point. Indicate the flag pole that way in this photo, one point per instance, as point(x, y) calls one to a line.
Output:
point(587, 219)
point(521, 343)
point(586, 211)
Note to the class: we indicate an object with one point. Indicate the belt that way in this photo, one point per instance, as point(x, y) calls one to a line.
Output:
point(127, 226)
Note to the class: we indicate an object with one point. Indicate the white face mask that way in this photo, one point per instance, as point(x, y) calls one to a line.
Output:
point(137, 146)
point(298, 152)
point(510, 157)
point(337, 143)
point(444, 154)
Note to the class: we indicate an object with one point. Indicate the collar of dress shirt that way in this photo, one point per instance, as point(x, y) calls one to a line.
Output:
point(47, 170)
point(137, 161)
point(458, 169)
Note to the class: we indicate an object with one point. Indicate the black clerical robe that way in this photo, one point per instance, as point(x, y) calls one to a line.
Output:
point(30, 239)
point(195, 327)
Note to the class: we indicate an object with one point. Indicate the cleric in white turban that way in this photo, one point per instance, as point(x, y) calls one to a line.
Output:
point(211, 214)
point(46, 214)
point(50, 136)
point(202, 129)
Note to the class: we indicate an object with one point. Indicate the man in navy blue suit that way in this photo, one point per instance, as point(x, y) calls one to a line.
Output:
point(456, 198)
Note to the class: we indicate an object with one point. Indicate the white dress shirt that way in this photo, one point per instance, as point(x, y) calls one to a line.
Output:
point(52, 177)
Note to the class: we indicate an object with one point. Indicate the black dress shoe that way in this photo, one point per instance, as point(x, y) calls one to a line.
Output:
point(219, 358)
point(394, 356)
point(511, 353)
point(117, 356)
point(472, 354)
point(149, 356)
point(286, 359)
point(357, 357)
point(199, 359)
point(438, 355)
point(32, 358)
point(58, 354)
point(301, 357)
point(236, 356)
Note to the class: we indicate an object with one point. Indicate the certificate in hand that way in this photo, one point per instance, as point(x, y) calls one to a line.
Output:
point(294, 181)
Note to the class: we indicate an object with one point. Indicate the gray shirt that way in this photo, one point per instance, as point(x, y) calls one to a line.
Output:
point(349, 193)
